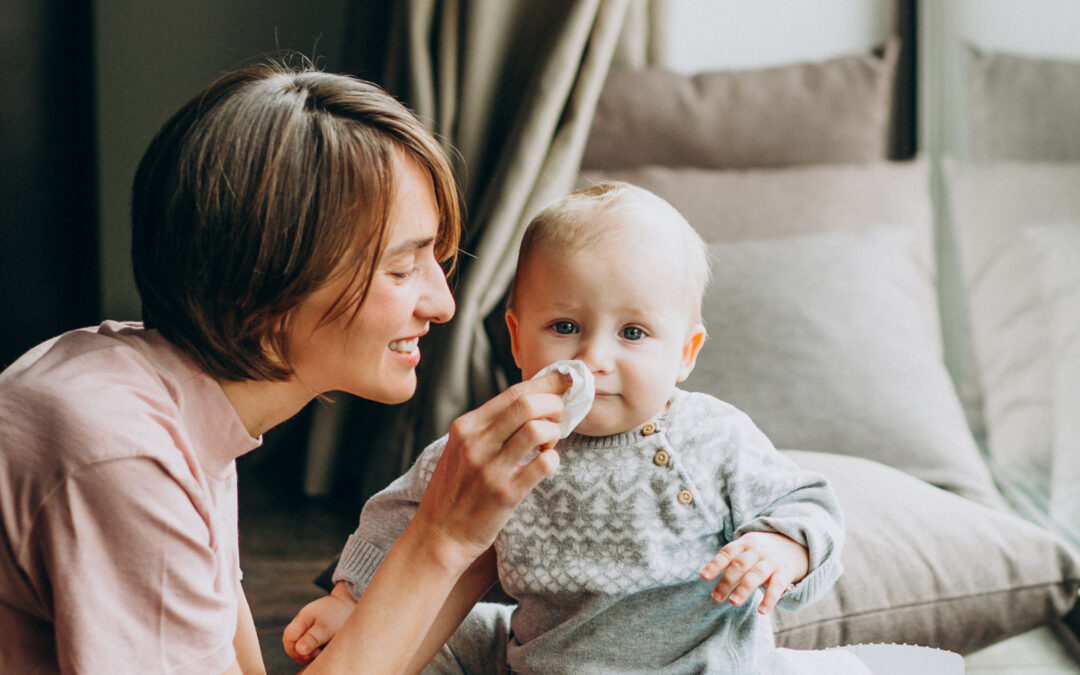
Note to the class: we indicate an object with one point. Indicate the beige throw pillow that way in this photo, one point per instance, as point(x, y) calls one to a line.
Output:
point(830, 111)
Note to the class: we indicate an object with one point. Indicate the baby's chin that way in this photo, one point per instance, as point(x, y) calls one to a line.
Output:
point(600, 427)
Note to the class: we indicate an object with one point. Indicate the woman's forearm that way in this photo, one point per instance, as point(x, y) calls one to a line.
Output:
point(488, 466)
point(246, 640)
point(469, 589)
point(390, 622)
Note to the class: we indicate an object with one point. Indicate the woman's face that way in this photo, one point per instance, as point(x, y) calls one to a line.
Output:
point(373, 353)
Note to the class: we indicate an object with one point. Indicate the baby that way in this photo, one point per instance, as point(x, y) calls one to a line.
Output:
point(672, 527)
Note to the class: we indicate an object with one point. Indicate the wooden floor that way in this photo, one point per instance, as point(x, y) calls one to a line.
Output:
point(286, 540)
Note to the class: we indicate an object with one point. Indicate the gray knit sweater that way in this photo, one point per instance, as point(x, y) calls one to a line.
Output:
point(604, 557)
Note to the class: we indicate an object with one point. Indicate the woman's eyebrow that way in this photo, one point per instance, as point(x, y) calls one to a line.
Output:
point(410, 245)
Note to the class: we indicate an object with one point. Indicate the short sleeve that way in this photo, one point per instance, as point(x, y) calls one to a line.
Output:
point(138, 574)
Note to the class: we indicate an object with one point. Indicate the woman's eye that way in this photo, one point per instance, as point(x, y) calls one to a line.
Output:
point(404, 274)
point(632, 333)
point(565, 327)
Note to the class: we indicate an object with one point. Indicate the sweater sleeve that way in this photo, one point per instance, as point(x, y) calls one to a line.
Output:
point(767, 492)
point(383, 519)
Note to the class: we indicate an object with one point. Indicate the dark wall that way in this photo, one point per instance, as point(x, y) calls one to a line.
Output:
point(48, 205)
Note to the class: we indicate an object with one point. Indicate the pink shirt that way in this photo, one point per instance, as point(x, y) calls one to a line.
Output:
point(119, 550)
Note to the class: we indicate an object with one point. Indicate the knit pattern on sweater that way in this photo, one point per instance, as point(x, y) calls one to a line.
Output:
point(629, 516)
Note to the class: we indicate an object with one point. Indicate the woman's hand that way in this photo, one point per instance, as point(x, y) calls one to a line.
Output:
point(402, 618)
point(483, 474)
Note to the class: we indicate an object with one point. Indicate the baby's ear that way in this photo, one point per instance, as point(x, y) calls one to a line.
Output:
point(690, 351)
point(512, 327)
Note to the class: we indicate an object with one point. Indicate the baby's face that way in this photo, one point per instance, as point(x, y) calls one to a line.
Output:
point(624, 311)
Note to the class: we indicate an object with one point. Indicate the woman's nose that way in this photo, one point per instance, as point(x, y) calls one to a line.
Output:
point(436, 303)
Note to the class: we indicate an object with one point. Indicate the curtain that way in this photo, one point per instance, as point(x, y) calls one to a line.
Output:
point(510, 87)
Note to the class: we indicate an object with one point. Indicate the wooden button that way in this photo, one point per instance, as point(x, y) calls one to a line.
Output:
point(685, 497)
point(649, 429)
point(661, 458)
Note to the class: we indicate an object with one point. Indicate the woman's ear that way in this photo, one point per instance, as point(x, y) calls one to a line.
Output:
point(690, 351)
point(512, 327)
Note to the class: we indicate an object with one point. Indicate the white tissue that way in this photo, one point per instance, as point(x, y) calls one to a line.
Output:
point(578, 397)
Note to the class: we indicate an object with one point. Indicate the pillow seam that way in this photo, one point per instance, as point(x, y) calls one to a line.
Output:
point(915, 605)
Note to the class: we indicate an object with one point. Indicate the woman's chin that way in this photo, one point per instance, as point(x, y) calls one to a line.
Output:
point(388, 395)
point(396, 398)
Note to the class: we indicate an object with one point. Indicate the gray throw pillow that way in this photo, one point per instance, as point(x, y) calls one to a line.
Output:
point(923, 566)
point(910, 423)
point(830, 342)
point(1022, 107)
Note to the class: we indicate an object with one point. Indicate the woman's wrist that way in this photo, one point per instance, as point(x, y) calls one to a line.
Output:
point(436, 546)
point(390, 621)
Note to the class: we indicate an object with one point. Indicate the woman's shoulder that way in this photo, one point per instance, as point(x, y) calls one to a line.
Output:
point(81, 357)
point(64, 400)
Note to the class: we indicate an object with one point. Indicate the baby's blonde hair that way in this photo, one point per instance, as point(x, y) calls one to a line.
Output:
point(586, 217)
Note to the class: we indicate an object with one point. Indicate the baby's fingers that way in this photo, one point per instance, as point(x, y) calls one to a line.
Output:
point(749, 578)
point(773, 592)
point(721, 560)
point(715, 567)
point(303, 638)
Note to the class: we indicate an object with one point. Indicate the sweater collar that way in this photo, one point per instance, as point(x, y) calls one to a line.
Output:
point(658, 422)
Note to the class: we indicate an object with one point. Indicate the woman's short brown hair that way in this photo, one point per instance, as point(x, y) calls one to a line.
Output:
point(259, 191)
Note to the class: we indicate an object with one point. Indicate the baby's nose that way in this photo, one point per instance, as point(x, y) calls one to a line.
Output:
point(597, 356)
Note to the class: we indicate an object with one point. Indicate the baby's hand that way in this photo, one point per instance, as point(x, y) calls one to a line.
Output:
point(315, 624)
point(753, 560)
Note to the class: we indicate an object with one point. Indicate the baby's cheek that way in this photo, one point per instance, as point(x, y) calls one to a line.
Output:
point(536, 359)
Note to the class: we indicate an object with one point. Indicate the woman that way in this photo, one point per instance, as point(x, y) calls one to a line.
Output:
point(289, 231)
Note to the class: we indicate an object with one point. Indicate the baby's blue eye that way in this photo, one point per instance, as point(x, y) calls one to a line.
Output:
point(565, 327)
point(632, 333)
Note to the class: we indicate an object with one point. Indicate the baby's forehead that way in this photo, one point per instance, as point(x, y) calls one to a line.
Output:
point(643, 211)
point(627, 252)
point(642, 228)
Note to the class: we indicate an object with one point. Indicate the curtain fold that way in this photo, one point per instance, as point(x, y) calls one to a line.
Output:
point(537, 163)
point(510, 88)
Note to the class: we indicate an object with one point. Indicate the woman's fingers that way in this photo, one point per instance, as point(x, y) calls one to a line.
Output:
point(500, 436)
point(531, 473)
point(488, 465)
point(504, 415)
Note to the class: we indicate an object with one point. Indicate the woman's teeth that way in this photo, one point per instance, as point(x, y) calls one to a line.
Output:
point(404, 346)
